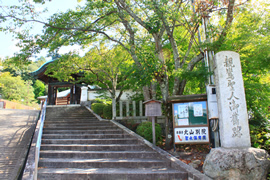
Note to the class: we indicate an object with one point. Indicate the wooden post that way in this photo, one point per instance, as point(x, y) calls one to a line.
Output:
point(153, 130)
point(153, 109)
point(49, 94)
point(55, 95)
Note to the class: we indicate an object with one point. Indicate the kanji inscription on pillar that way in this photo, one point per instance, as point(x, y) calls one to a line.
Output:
point(233, 117)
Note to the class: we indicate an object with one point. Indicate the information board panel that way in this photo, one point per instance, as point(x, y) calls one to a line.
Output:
point(191, 113)
point(191, 135)
point(190, 122)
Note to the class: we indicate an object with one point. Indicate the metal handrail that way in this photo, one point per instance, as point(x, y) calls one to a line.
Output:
point(40, 131)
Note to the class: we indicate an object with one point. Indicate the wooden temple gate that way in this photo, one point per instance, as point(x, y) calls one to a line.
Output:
point(73, 98)
point(54, 84)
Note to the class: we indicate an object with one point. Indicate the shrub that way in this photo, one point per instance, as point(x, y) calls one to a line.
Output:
point(107, 111)
point(145, 130)
point(260, 137)
point(98, 108)
point(130, 124)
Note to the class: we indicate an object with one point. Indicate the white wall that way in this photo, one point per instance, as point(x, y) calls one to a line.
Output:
point(125, 96)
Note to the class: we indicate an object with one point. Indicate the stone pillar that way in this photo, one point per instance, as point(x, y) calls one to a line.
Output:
point(121, 108)
point(235, 159)
point(233, 117)
point(141, 108)
point(134, 108)
point(83, 95)
point(127, 108)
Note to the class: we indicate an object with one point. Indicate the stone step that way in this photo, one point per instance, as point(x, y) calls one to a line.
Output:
point(70, 116)
point(91, 141)
point(64, 112)
point(76, 145)
point(103, 131)
point(52, 125)
point(102, 163)
point(68, 119)
point(81, 128)
point(97, 154)
point(111, 174)
point(94, 147)
point(68, 110)
point(91, 123)
point(84, 136)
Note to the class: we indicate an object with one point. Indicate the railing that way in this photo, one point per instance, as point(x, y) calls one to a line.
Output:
point(131, 112)
point(40, 131)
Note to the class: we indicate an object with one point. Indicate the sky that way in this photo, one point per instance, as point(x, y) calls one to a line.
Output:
point(8, 43)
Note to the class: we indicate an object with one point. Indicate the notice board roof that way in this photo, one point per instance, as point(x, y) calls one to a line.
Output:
point(151, 101)
point(186, 98)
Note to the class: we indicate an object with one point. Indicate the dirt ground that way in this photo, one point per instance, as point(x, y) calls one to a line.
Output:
point(193, 155)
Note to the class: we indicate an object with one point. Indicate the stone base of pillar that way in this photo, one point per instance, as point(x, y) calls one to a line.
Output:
point(86, 103)
point(237, 163)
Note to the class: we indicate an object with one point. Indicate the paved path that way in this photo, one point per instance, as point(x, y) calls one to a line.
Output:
point(16, 128)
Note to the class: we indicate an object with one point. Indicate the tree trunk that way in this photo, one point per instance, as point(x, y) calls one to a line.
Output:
point(164, 86)
point(154, 90)
point(146, 93)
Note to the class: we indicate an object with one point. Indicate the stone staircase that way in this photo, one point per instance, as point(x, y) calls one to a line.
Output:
point(76, 145)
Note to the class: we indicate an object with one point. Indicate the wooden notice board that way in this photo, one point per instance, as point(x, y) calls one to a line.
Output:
point(190, 121)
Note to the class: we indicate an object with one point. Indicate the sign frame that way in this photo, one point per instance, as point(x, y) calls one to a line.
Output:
point(191, 99)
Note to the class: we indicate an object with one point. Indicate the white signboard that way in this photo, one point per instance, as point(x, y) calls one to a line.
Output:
point(183, 111)
point(198, 110)
point(191, 135)
point(182, 122)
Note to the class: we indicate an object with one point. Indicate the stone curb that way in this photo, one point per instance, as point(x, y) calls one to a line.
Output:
point(193, 174)
point(69, 105)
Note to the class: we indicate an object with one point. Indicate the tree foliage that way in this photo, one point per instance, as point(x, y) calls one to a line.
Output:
point(39, 89)
point(23, 73)
point(131, 24)
point(107, 68)
point(250, 37)
point(164, 39)
point(14, 88)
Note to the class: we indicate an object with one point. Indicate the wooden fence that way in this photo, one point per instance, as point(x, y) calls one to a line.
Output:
point(132, 110)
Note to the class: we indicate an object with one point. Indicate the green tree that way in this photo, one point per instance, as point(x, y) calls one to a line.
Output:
point(250, 37)
point(23, 72)
point(14, 88)
point(131, 24)
point(107, 68)
point(39, 89)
